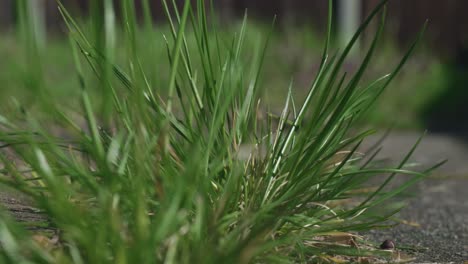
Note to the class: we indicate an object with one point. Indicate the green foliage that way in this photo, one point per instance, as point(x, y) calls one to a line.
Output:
point(154, 171)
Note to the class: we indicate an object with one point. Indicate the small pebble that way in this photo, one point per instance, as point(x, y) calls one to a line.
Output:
point(387, 244)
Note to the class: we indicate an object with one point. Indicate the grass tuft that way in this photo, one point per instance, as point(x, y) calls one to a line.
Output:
point(155, 168)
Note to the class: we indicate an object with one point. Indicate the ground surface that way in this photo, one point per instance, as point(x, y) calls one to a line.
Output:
point(440, 205)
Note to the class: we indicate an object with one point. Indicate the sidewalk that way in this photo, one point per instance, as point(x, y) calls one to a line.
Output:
point(440, 205)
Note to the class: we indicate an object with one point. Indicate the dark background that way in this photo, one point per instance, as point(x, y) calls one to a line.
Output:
point(448, 19)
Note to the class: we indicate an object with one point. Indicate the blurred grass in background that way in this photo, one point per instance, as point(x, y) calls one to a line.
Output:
point(293, 56)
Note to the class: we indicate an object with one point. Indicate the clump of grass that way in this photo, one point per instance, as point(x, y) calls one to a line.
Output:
point(154, 173)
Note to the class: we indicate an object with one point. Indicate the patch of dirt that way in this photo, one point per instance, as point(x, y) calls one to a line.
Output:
point(21, 211)
point(20, 207)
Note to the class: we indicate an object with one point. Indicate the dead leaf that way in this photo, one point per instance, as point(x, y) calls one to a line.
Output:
point(46, 242)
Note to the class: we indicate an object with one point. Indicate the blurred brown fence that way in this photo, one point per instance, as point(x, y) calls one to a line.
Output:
point(448, 26)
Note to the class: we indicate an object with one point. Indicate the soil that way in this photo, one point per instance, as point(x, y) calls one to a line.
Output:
point(20, 208)
point(439, 207)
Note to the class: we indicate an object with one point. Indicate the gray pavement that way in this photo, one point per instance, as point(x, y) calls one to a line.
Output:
point(439, 204)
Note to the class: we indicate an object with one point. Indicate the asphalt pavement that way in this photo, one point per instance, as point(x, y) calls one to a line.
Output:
point(438, 209)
